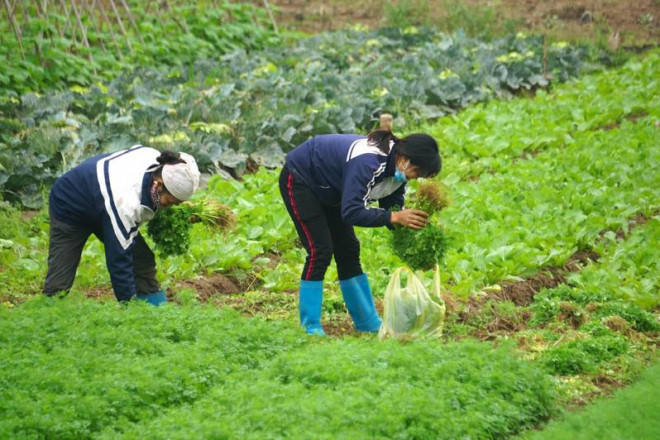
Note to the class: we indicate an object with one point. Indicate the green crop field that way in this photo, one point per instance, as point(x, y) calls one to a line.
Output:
point(550, 269)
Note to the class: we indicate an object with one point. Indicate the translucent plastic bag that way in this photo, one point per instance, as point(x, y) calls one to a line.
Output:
point(409, 311)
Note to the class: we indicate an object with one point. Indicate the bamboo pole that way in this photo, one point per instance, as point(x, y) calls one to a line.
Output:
point(104, 16)
point(83, 31)
point(545, 55)
point(42, 13)
point(121, 26)
point(37, 47)
point(26, 14)
point(17, 29)
point(90, 11)
point(181, 24)
point(130, 18)
point(270, 14)
point(57, 19)
point(81, 26)
point(68, 19)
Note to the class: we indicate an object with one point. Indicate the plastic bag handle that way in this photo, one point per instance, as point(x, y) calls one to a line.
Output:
point(436, 278)
point(397, 274)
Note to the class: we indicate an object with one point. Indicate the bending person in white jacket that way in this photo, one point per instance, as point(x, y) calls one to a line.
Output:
point(110, 196)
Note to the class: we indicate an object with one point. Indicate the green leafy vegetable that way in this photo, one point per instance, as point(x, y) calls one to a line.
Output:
point(170, 227)
point(422, 249)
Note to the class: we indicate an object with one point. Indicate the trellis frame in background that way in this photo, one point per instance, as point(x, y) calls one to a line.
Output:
point(113, 15)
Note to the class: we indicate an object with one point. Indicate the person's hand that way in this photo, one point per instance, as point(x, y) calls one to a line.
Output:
point(410, 218)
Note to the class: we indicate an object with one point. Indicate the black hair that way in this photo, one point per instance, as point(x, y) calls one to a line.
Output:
point(166, 157)
point(381, 139)
point(420, 148)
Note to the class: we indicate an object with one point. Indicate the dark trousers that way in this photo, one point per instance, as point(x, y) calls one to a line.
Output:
point(64, 251)
point(321, 231)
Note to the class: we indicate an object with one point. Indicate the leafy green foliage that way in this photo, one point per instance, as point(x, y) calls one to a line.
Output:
point(170, 229)
point(583, 355)
point(95, 367)
point(175, 36)
point(227, 110)
point(617, 416)
point(420, 249)
point(199, 372)
point(547, 305)
point(638, 318)
point(630, 270)
point(484, 139)
point(484, 392)
point(500, 224)
point(405, 13)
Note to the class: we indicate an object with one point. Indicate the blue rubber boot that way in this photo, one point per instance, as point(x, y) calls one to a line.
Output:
point(155, 298)
point(360, 303)
point(311, 298)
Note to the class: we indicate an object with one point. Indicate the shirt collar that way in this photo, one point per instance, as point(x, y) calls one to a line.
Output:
point(145, 197)
point(390, 166)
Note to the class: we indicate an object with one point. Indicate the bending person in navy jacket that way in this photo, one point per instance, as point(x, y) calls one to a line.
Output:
point(327, 184)
point(110, 196)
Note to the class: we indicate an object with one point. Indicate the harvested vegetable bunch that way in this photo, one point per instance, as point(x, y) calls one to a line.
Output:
point(430, 197)
point(170, 228)
point(212, 213)
point(422, 249)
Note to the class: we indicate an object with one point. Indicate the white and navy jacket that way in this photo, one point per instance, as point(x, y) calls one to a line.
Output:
point(110, 196)
point(345, 170)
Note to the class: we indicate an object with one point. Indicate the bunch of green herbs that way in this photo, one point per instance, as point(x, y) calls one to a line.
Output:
point(422, 249)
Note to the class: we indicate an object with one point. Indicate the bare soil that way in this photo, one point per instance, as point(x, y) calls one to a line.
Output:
point(209, 286)
point(619, 23)
point(522, 292)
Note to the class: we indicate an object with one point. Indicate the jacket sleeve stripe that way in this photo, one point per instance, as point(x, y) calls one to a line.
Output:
point(125, 238)
point(370, 185)
point(350, 150)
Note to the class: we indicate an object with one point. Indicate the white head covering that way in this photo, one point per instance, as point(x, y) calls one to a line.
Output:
point(181, 179)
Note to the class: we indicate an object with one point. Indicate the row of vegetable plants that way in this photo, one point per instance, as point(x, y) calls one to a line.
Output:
point(260, 105)
point(629, 272)
point(500, 227)
point(591, 335)
point(73, 368)
point(263, 379)
point(100, 370)
point(371, 390)
point(483, 138)
point(54, 51)
point(582, 196)
point(629, 413)
point(537, 213)
point(264, 235)
point(218, 381)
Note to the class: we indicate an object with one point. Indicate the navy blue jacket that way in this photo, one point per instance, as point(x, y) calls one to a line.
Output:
point(346, 171)
point(109, 195)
